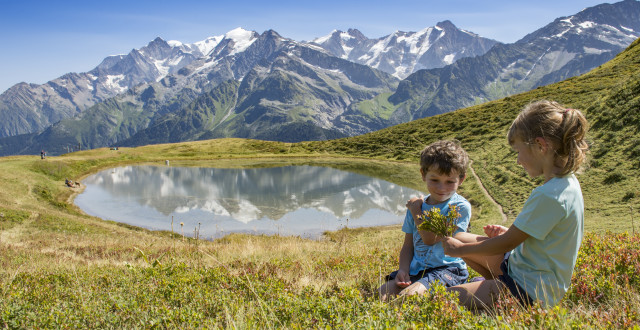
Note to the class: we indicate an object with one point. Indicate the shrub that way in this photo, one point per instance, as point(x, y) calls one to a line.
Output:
point(614, 178)
point(628, 196)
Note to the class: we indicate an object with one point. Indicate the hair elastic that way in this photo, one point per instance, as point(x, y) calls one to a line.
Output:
point(566, 111)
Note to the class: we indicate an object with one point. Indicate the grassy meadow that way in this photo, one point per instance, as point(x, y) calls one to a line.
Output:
point(60, 268)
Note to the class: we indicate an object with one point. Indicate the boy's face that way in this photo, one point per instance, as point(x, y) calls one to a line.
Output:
point(441, 186)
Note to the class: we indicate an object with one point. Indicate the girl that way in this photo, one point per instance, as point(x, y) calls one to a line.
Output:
point(534, 258)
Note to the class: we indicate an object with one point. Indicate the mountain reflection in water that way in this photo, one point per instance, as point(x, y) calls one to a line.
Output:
point(289, 200)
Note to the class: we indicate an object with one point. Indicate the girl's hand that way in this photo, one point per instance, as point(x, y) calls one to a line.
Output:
point(452, 247)
point(415, 206)
point(415, 200)
point(494, 230)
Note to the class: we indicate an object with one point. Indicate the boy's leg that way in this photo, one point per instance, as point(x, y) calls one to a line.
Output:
point(414, 288)
point(389, 290)
point(448, 276)
point(478, 295)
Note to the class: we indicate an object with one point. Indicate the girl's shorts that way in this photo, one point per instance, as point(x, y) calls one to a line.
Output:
point(445, 275)
point(513, 287)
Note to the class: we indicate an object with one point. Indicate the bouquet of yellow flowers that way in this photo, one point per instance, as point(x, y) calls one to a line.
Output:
point(439, 224)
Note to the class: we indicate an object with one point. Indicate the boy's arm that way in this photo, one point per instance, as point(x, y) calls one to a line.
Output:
point(406, 255)
point(415, 207)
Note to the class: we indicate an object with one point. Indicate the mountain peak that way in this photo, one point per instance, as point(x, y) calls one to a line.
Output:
point(157, 42)
point(239, 34)
point(241, 38)
point(271, 33)
point(356, 33)
point(323, 39)
point(446, 24)
point(174, 43)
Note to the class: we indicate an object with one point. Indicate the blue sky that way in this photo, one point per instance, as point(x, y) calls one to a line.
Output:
point(42, 40)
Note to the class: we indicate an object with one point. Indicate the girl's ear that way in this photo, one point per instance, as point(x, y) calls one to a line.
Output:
point(422, 174)
point(542, 144)
point(462, 179)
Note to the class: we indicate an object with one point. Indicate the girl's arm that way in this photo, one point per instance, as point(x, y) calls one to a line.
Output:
point(490, 230)
point(486, 247)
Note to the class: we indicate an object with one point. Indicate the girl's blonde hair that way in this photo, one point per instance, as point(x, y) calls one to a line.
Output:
point(565, 129)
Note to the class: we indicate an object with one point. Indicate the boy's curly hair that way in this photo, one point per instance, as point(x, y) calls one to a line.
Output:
point(447, 155)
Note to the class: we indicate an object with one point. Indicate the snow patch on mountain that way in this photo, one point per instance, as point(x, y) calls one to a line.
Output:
point(324, 39)
point(590, 50)
point(206, 46)
point(113, 82)
point(241, 38)
point(162, 68)
point(586, 24)
point(449, 58)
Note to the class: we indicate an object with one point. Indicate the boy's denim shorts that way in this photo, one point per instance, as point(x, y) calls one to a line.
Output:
point(445, 275)
point(513, 287)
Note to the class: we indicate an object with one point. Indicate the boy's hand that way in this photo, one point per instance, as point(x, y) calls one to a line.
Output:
point(402, 279)
point(494, 230)
point(451, 246)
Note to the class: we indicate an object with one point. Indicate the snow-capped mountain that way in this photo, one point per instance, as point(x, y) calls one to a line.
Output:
point(274, 88)
point(403, 53)
point(567, 47)
point(26, 108)
point(265, 86)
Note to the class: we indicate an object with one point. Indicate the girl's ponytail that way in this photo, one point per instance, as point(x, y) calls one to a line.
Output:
point(573, 146)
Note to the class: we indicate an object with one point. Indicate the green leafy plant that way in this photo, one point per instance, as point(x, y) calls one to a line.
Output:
point(439, 224)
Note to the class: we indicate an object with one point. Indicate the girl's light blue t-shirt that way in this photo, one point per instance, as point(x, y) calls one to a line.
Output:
point(431, 256)
point(553, 218)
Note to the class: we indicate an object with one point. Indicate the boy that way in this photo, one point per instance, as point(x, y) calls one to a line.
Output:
point(443, 166)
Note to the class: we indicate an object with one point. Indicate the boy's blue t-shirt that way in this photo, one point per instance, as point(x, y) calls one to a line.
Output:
point(432, 256)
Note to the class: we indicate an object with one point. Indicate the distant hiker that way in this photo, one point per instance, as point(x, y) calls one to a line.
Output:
point(533, 260)
point(443, 167)
point(41, 154)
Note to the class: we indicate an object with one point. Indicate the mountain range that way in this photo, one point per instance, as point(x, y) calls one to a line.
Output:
point(265, 86)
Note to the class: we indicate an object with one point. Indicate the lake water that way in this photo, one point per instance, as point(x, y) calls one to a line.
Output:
point(212, 202)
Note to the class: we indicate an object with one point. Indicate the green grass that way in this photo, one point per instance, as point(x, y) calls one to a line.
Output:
point(378, 107)
point(60, 268)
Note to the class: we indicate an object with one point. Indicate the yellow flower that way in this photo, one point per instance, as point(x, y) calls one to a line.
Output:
point(435, 222)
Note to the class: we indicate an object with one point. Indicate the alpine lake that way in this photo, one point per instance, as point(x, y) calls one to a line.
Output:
point(209, 200)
